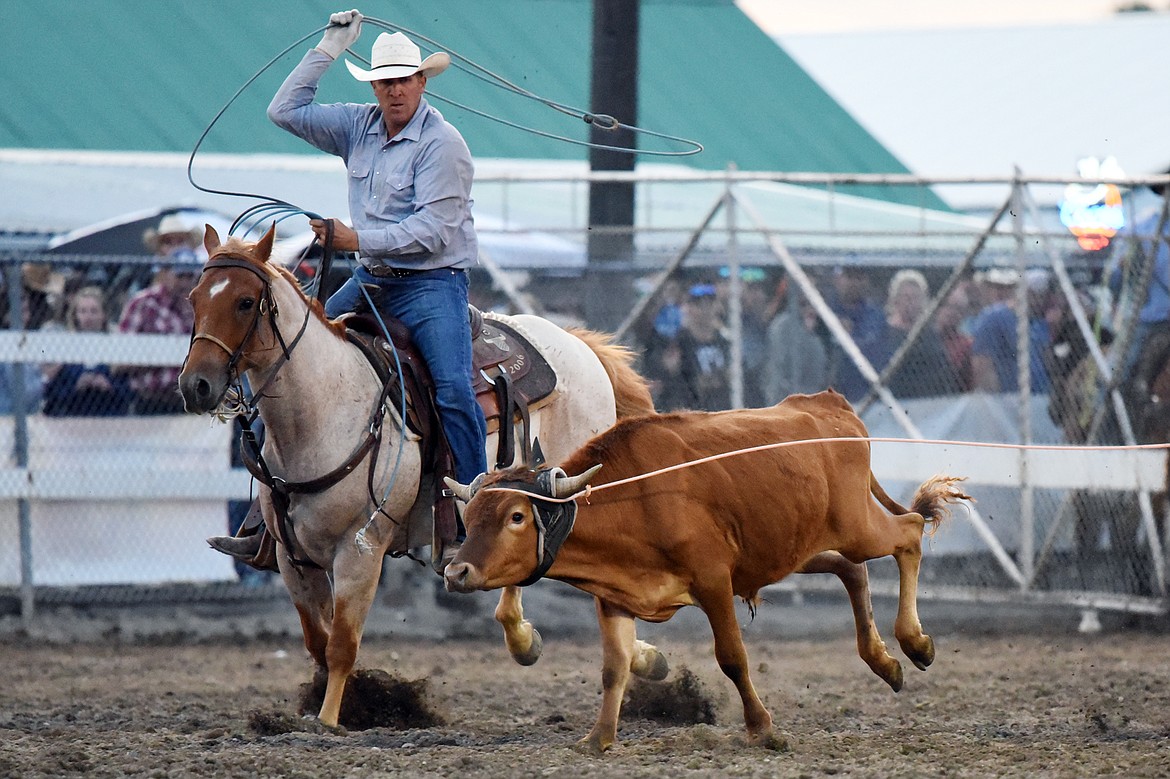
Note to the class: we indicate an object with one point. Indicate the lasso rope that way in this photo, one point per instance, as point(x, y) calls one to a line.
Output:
point(284, 209)
point(590, 489)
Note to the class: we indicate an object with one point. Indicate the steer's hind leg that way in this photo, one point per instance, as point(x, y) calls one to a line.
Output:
point(918, 646)
point(879, 534)
point(870, 646)
point(522, 639)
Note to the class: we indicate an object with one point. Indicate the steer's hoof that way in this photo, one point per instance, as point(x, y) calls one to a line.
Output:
point(923, 656)
point(592, 745)
point(769, 739)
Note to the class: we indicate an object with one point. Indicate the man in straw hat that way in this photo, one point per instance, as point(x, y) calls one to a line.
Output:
point(410, 176)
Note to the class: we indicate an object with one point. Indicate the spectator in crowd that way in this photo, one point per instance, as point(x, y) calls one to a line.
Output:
point(163, 309)
point(797, 360)
point(757, 309)
point(40, 287)
point(925, 370)
point(43, 290)
point(863, 319)
point(951, 322)
point(993, 349)
point(1121, 274)
point(704, 352)
point(658, 333)
point(94, 390)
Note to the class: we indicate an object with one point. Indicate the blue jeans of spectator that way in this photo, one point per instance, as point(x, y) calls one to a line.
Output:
point(433, 306)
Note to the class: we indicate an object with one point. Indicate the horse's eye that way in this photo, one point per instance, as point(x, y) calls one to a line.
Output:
point(247, 304)
point(517, 518)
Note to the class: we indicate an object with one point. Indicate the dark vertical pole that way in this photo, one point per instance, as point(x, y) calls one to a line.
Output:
point(613, 91)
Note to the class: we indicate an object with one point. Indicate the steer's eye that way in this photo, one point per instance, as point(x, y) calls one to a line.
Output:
point(246, 305)
point(517, 517)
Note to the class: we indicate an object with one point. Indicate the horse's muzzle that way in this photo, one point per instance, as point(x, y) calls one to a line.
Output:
point(200, 394)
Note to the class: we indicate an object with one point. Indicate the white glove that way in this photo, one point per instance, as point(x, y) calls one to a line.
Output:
point(344, 28)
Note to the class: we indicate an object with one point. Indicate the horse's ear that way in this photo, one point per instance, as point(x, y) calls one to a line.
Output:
point(537, 455)
point(210, 239)
point(264, 245)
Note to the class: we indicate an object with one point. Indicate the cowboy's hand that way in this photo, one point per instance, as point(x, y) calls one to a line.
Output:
point(344, 28)
point(344, 239)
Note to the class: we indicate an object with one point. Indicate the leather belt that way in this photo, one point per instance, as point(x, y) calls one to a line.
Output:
point(386, 271)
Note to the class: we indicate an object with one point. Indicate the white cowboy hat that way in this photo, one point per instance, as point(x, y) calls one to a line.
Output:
point(396, 56)
point(172, 224)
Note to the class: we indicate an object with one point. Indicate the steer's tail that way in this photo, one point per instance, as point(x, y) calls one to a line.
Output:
point(933, 499)
point(631, 392)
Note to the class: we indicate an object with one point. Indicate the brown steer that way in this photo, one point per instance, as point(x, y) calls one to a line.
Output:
point(702, 535)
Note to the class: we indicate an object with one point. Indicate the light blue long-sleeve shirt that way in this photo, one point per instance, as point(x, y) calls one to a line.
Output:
point(410, 195)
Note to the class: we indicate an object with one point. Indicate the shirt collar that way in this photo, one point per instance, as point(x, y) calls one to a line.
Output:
point(413, 129)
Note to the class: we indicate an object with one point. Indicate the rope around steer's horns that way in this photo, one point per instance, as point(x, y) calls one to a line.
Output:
point(586, 490)
point(572, 485)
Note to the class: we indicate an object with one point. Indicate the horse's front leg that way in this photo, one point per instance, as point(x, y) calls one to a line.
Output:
point(522, 639)
point(355, 582)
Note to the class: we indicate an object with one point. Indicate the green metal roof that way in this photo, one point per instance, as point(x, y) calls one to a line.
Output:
point(148, 76)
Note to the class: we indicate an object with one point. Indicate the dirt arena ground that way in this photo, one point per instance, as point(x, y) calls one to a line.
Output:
point(1024, 703)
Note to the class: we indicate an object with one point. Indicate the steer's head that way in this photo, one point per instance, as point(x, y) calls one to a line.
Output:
point(516, 521)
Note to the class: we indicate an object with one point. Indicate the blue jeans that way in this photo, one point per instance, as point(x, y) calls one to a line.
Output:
point(433, 306)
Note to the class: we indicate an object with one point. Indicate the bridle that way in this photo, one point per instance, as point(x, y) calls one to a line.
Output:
point(266, 307)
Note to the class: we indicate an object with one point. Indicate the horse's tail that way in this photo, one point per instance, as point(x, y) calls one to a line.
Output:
point(932, 500)
point(630, 391)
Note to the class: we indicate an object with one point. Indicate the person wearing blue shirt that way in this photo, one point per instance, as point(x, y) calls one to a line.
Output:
point(1140, 236)
point(863, 318)
point(993, 348)
point(409, 179)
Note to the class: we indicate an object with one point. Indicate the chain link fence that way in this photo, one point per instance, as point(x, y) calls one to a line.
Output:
point(733, 302)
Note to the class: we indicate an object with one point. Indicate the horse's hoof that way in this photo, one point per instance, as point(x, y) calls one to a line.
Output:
point(534, 650)
point(314, 725)
point(657, 670)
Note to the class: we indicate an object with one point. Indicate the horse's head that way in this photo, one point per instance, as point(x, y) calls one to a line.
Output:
point(235, 319)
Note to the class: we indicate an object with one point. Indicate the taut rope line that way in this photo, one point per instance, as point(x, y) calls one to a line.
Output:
point(590, 489)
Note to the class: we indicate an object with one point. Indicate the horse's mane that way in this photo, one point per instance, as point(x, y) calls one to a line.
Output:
point(244, 250)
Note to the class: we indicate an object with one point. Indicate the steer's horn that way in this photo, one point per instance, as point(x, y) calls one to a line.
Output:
point(564, 486)
point(463, 492)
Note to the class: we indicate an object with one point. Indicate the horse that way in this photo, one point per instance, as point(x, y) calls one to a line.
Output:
point(319, 396)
